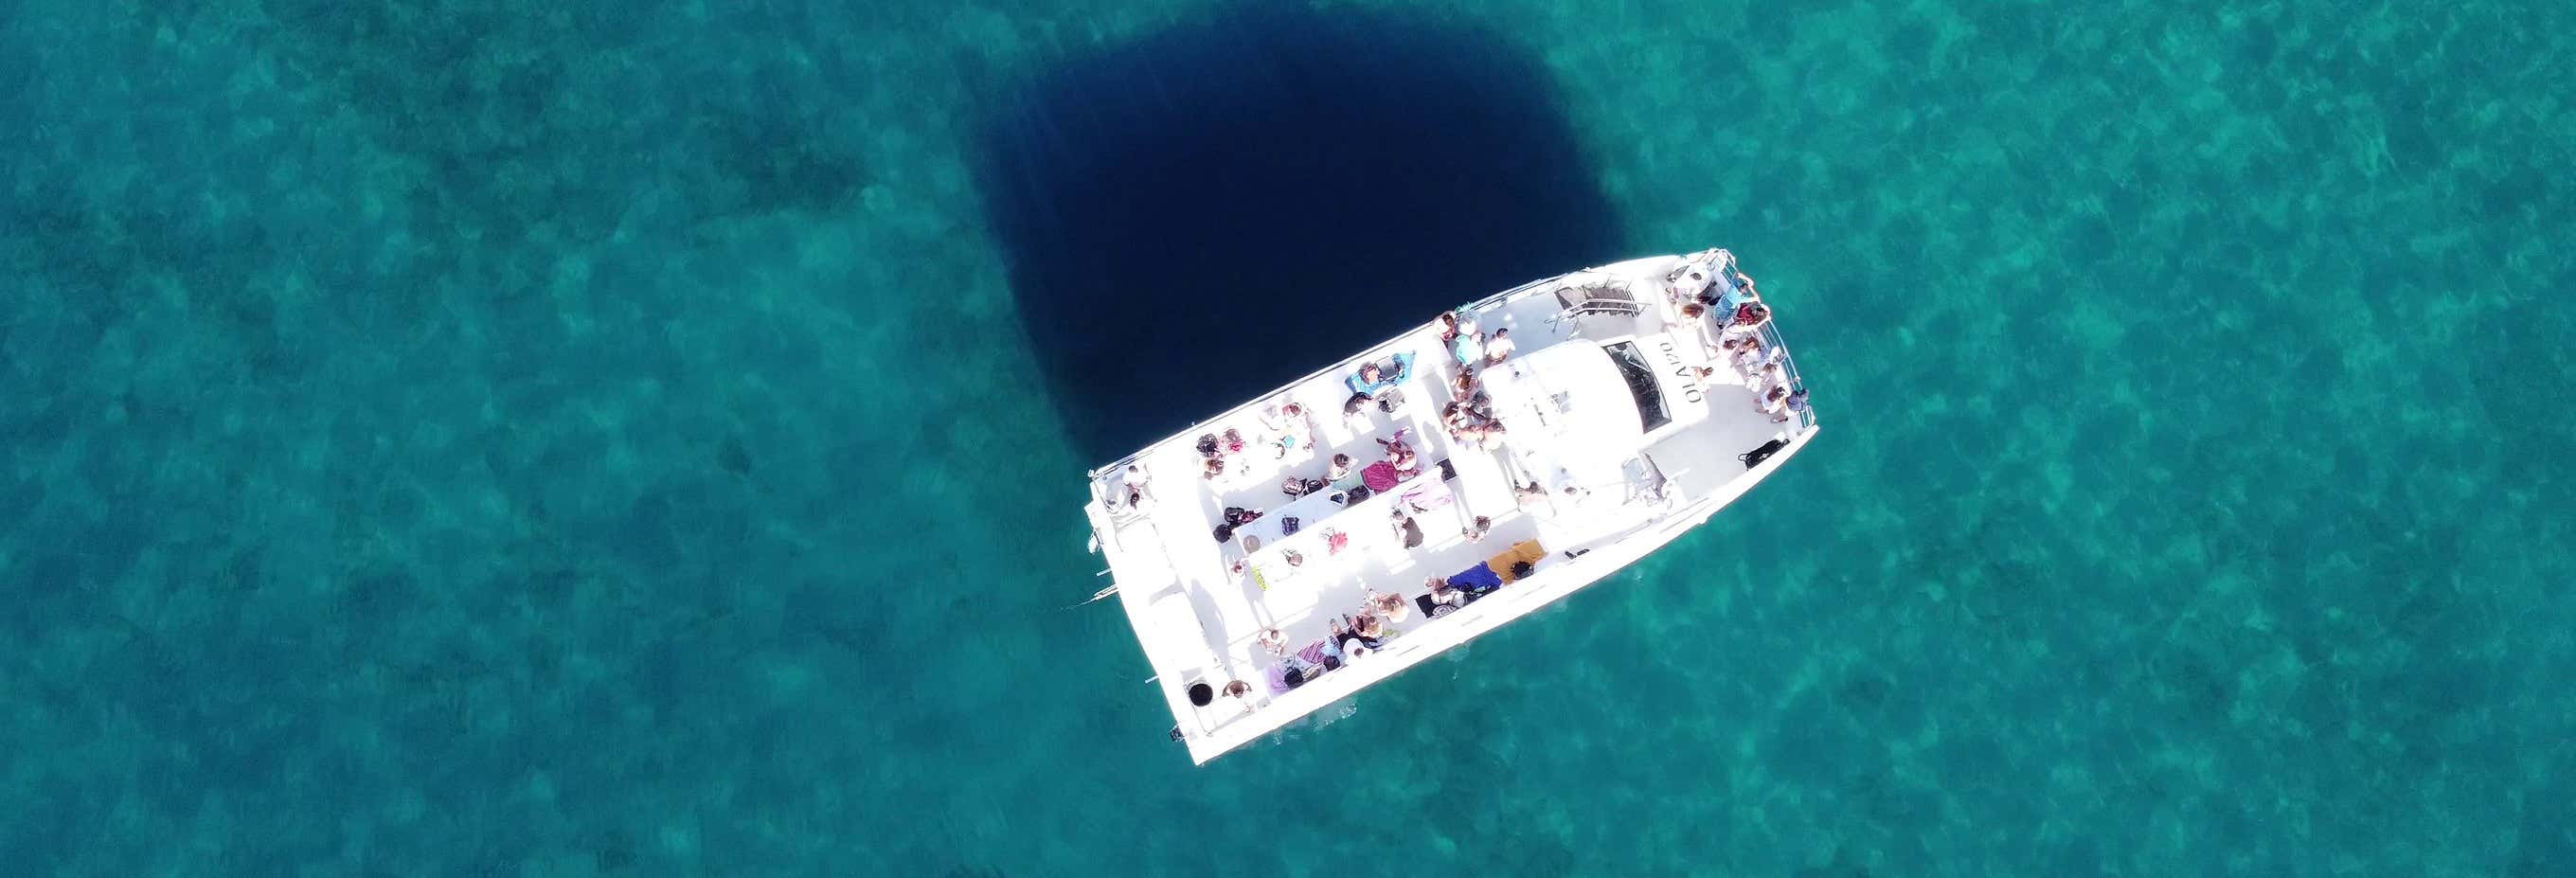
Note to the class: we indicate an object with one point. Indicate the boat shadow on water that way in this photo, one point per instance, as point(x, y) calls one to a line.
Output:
point(1202, 214)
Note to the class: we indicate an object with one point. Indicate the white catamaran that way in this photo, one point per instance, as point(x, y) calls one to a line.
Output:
point(1373, 514)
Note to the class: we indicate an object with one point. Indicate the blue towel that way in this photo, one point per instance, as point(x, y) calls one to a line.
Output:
point(1477, 580)
point(1403, 366)
point(1386, 377)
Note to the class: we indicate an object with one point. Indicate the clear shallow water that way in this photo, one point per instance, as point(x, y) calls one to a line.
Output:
point(451, 440)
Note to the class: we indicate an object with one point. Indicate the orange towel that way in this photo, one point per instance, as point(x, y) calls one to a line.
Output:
point(1525, 550)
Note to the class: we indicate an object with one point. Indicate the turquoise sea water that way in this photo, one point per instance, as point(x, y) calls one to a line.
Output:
point(471, 438)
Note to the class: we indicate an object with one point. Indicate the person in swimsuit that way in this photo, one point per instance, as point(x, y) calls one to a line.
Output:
point(1444, 594)
point(1391, 607)
point(1347, 633)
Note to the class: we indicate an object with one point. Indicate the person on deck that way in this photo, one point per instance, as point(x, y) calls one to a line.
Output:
point(1355, 414)
point(1391, 607)
point(1476, 531)
point(1796, 405)
point(1288, 428)
point(1774, 403)
point(1375, 381)
point(1530, 495)
point(1498, 348)
point(1399, 455)
point(1442, 593)
point(1749, 317)
point(1346, 634)
point(1406, 530)
point(1751, 356)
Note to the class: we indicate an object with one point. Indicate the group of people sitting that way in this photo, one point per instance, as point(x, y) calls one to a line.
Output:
point(1759, 367)
point(1710, 283)
point(1284, 429)
point(1469, 416)
point(1713, 287)
point(1460, 336)
point(1350, 637)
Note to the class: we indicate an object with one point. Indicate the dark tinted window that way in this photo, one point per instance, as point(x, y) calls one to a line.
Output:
point(1641, 384)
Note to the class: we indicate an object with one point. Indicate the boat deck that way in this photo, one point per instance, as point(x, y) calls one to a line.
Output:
point(1202, 606)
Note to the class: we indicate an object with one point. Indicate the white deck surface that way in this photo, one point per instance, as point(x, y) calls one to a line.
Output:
point(1200, 622)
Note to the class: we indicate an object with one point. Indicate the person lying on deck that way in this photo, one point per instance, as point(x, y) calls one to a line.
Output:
point(1444, 593)
point(1374, 380)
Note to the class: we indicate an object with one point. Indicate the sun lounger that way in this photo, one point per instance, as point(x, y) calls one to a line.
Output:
point(1523, 551)
point(1390, 372)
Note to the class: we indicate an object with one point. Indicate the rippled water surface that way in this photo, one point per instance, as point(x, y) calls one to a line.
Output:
point(478, 438)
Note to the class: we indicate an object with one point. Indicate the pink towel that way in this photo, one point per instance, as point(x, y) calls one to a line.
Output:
point(1313, 653)
point(1379, 476)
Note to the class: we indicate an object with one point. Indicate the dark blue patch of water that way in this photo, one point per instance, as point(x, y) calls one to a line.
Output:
point(1206, 213)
